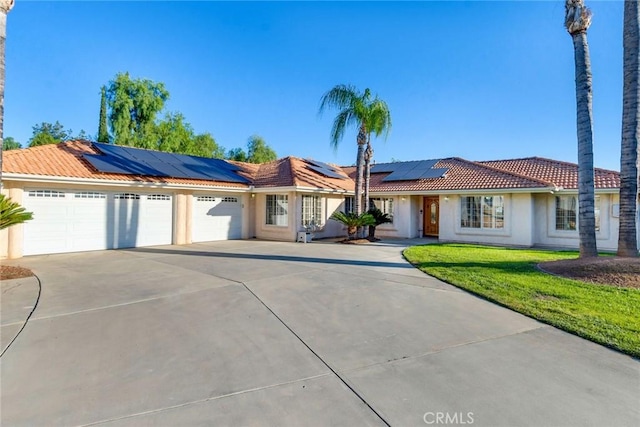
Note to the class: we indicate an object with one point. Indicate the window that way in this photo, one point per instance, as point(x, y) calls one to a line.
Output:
point(206, 199)
point(90, 195)
point(311, 211)
point(277, 209)
point(567, 212)
point(349, 204)
point(229, 200)
point(158, 197)
point(45, 193)
point(482, 212)
point(127, 196)
point(384, 204)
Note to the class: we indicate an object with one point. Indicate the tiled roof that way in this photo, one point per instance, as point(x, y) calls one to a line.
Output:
point(461, 175)
point(560, 174)
point(65, 160)
point(292, 171)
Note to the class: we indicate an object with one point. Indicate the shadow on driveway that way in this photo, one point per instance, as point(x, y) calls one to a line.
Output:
point(289, 258)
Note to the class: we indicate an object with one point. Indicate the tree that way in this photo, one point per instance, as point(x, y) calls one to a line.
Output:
point(172, 134)
point(133, 105)
point(258, 151)
point(628, 233)
point(5, 7)
point(380, 121)
point(577, 21)
point(12, 213)
point(103, 133)
point(205, 143)
point(355, 109)
point(237, 154)
point(353, 221)
point(380, 218)
point(47, 133)
point(9, 143)
point(175, 135)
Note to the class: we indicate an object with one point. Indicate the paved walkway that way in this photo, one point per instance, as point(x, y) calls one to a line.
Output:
point(265, 333)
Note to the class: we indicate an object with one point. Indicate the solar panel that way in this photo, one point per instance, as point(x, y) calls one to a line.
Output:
point(434, 173)
point(383, 168)
point(326, 172)
point(325, 169)
point(103, 165)
point(136, 161)
point(409, 171)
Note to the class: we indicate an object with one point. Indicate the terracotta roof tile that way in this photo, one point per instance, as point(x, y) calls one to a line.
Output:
point(306, 177)
point(274, 174)
point(292, 171)
point(560, 174)
point(461, 175)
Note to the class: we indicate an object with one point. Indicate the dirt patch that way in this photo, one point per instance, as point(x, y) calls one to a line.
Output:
point(612, 271)
point(354, 241)
point(8, 272)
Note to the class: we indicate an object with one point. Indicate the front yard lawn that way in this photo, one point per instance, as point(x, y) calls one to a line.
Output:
point(604, 314)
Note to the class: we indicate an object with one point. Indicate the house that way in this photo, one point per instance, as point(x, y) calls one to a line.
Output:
point(90, 196)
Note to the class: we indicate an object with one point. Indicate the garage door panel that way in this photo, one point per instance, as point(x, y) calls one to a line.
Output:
point(91, 220)
point(217, 218)
point(156, 229)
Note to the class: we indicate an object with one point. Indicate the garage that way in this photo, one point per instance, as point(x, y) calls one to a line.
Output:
point(216, 218)
point(74, 221)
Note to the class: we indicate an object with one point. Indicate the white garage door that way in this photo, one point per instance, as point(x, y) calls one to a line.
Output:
point(73, 221)
point(216, 218)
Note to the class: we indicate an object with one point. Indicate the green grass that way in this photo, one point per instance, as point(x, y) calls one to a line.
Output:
point(604, 314)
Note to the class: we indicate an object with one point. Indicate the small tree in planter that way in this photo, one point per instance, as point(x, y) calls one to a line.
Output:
point(12, 213)
point(353, 221)
point(379, 218)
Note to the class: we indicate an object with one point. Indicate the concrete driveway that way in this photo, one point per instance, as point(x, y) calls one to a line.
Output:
point(264, 333)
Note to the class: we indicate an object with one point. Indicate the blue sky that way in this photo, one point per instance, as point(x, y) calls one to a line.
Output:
point(479, 80)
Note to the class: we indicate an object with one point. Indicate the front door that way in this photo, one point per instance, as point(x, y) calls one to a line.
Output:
point(431, 216)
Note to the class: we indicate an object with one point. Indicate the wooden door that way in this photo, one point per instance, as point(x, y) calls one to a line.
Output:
point(431, 216)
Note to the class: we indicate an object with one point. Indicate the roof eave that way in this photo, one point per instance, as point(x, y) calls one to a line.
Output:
point(45, 179)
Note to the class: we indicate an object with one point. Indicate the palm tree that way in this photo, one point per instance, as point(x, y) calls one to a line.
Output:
point(380, 119)
point(380, 218)
point(5, 7)
point(627, 237)
point(353, 221)
point(577, 20)
point(356, 109)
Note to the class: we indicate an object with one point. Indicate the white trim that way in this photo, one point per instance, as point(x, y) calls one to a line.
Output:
point(45, 179)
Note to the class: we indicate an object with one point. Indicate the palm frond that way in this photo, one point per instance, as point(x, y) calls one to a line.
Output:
point(12, 213)
point(340, 97)
point(352, 219)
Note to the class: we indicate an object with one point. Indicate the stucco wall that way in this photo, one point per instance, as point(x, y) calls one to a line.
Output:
point(276, 232)
point(330, 228)
point(547, 236)
point(407, 218)
point(518, 222)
